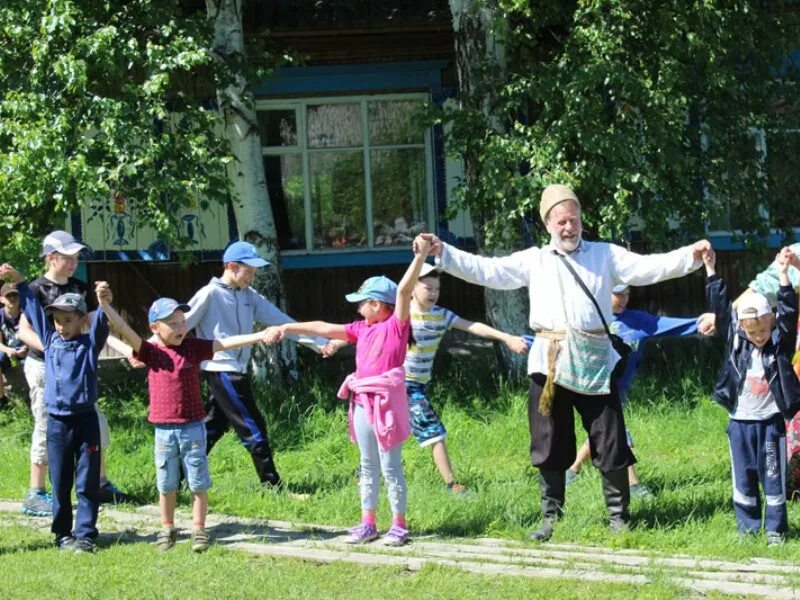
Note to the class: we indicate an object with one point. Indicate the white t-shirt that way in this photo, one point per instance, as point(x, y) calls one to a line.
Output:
point(756, 402)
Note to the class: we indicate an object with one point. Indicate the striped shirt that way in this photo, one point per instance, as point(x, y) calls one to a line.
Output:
point(428, 329)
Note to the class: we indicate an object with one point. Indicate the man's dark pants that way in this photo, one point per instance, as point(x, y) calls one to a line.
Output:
point(553, 443)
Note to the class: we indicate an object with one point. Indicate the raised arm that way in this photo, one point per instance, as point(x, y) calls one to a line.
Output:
point(405, 288)
point(496, 272)
point(128, 335)
point(787, 300)
point(515, 343)
point(631, 268)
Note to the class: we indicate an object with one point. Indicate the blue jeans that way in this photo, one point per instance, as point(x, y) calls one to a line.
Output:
point(69, 438)
point(181, 444)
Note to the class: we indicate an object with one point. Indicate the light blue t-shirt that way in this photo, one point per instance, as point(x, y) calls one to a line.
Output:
point(767, 282)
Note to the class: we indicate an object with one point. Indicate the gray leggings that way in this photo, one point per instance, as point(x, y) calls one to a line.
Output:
point(373, 461)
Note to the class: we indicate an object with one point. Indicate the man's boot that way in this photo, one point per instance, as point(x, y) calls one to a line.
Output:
point(618, 496)
point(552, 485)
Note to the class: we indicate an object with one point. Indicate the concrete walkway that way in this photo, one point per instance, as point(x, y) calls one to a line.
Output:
point(484, 556)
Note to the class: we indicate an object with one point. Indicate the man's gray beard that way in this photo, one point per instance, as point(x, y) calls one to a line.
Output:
point(567, 247)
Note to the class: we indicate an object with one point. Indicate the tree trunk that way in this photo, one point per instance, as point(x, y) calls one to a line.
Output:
point(246, 175)
point(478, 52)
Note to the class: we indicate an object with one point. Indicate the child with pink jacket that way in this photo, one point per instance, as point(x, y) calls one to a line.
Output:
point(378, 406)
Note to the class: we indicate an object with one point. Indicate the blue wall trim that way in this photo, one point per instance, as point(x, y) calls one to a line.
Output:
point(731, 242)
point(345, 259)
point(425, 74)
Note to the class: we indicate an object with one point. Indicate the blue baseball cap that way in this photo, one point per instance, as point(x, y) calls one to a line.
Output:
point(378, 288)
point(618, 289)
point(243, 252)
point(164, 307)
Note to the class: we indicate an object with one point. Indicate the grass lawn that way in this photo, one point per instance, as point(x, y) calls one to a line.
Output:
point(681, 445)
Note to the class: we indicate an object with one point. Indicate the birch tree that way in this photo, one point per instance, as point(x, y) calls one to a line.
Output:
point(481, 63)
point(246, 170)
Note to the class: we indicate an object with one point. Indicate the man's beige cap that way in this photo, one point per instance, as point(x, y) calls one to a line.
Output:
point(555, 194)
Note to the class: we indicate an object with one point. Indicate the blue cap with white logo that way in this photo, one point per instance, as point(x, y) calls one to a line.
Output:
point(378, 288)
point(164, 307)
point(243, 252)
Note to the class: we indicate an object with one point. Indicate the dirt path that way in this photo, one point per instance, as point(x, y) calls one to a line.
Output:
point(486, 556)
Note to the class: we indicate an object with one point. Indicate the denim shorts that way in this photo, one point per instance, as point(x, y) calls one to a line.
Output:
point(426, 425)
point(181, 444)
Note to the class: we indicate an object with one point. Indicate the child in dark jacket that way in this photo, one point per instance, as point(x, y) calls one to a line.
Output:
point(758, 388)
point(70, 394)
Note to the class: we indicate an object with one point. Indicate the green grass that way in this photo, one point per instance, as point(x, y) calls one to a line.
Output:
point(681, 446)
point(31, 569)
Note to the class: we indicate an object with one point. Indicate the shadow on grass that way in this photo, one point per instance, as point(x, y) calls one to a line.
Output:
point(228, 533)
point(28, 546)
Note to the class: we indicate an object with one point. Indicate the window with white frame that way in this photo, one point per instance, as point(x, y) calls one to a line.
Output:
point(347, 172)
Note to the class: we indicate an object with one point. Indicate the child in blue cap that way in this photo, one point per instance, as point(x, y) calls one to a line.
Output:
point(228, 306)
point(70, 396)
point(378, 415)
point(176, 407)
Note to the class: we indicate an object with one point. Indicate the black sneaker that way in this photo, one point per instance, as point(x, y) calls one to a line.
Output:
point(65, 542)
point(108, 493)
point(272, 480)
point(85, 545)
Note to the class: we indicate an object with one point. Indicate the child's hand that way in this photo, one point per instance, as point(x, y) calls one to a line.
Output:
point(518, 345)
point(436, 244)
point(422, 245)
point(709, 260)
point(707, 324)
point(103, 291)
point(136, 363)
point(700, 249)
point(272, 335)
point(332, 347)
point(786, 258)
point(9, 273)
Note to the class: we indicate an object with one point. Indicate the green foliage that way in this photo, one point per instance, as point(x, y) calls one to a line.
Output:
point(101, 101)
point(651, 110)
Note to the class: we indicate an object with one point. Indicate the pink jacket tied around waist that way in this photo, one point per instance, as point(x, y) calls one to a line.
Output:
point(383, 398)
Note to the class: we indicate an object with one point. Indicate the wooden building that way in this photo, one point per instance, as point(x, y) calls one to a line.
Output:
point(351, 176)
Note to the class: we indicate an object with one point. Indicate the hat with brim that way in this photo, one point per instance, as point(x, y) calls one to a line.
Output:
point(753, 306)
point(618, 289)
point(164, 307)
point(243, 252)
point(379, 288)
point(553, 195)
point(70, 302)
point(427, 269)
point(62, 242)
point(9, 288)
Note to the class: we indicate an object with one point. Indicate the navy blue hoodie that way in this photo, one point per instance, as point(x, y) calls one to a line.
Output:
point(70, 378)
point(776, 354)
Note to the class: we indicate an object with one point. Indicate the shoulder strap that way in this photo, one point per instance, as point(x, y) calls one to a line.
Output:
point(585, 290)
